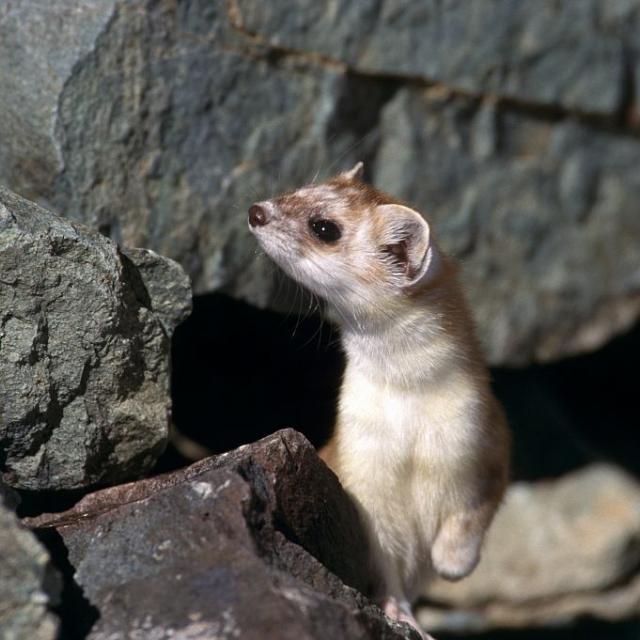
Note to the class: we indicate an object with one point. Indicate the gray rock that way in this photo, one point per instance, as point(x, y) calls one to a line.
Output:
point(163, 285)
point(556, 551)
point(159, 128)
point(159, 124)
point(568, 54)
point(40, 43)
point(542, 215)
point(28, 583)
point(230, 547)
point(84, 379)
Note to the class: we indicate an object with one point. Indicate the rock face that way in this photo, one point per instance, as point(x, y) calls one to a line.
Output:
point(556, 551)
point(27, 583)
point(230, 547)
point(83, 352)
point(569, 55)
point(158, 126)
point(512, 125)
point(542, 215)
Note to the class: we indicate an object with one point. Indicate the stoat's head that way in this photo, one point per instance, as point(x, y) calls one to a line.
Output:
point(348, 243)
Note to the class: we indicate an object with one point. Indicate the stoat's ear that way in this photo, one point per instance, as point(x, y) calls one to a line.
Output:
point(356, 173)
point(405, 241)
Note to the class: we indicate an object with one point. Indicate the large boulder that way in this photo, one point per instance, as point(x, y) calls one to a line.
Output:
point(159, 123)
point(84, 351)
point(153, 123)
point(542, 214)
point(261, 542)
point(558, 550)
point(571, 55)
point(28, 583)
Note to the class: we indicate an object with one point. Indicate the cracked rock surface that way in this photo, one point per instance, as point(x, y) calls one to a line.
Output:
point(513, 125)
point(84, 353)
point(158, 125)
point(257, 543)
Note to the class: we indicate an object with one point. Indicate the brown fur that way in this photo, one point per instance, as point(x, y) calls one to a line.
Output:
point(421, 443)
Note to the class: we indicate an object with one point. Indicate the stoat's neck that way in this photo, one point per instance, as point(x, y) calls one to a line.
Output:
point(426, 333)
point(405, 349)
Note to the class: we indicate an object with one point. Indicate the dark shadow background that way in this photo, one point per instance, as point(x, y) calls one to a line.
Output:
point(240, 373)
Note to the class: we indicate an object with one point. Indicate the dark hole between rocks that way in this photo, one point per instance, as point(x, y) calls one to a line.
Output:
point(240, 373)
point(33, 503)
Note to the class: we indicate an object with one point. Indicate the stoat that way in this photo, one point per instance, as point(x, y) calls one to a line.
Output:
point(420, 443)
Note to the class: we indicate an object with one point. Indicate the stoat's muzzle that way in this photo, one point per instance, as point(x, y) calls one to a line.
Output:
point(260, 214)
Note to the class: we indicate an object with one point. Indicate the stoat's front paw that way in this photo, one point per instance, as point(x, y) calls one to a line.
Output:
point(454, 560)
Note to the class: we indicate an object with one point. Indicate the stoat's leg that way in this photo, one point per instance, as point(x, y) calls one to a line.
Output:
point(456, 549)
point(328, 453)
point(400, 610)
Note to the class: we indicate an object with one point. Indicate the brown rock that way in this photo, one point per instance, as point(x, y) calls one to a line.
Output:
point(225, 548)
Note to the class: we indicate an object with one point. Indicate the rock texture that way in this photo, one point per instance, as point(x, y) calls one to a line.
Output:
point(230, 547)
point(28, 584)
point(542, 215)
point(488, 134)
point(83, 351)
point(556, 551)
point(513, 124)
point(569, 55)
point(158, 127)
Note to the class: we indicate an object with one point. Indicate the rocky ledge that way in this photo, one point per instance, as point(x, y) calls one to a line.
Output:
point(261, 542)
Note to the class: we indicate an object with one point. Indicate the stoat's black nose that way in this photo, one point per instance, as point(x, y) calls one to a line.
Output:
point(258, 215)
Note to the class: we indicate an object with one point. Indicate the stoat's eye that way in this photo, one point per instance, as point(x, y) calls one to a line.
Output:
point(325, 230)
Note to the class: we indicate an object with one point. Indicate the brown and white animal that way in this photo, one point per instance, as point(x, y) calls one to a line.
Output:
point(420, 443)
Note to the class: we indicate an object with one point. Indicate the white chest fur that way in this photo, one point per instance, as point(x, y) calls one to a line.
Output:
point(410, 439)
point(404, 448)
